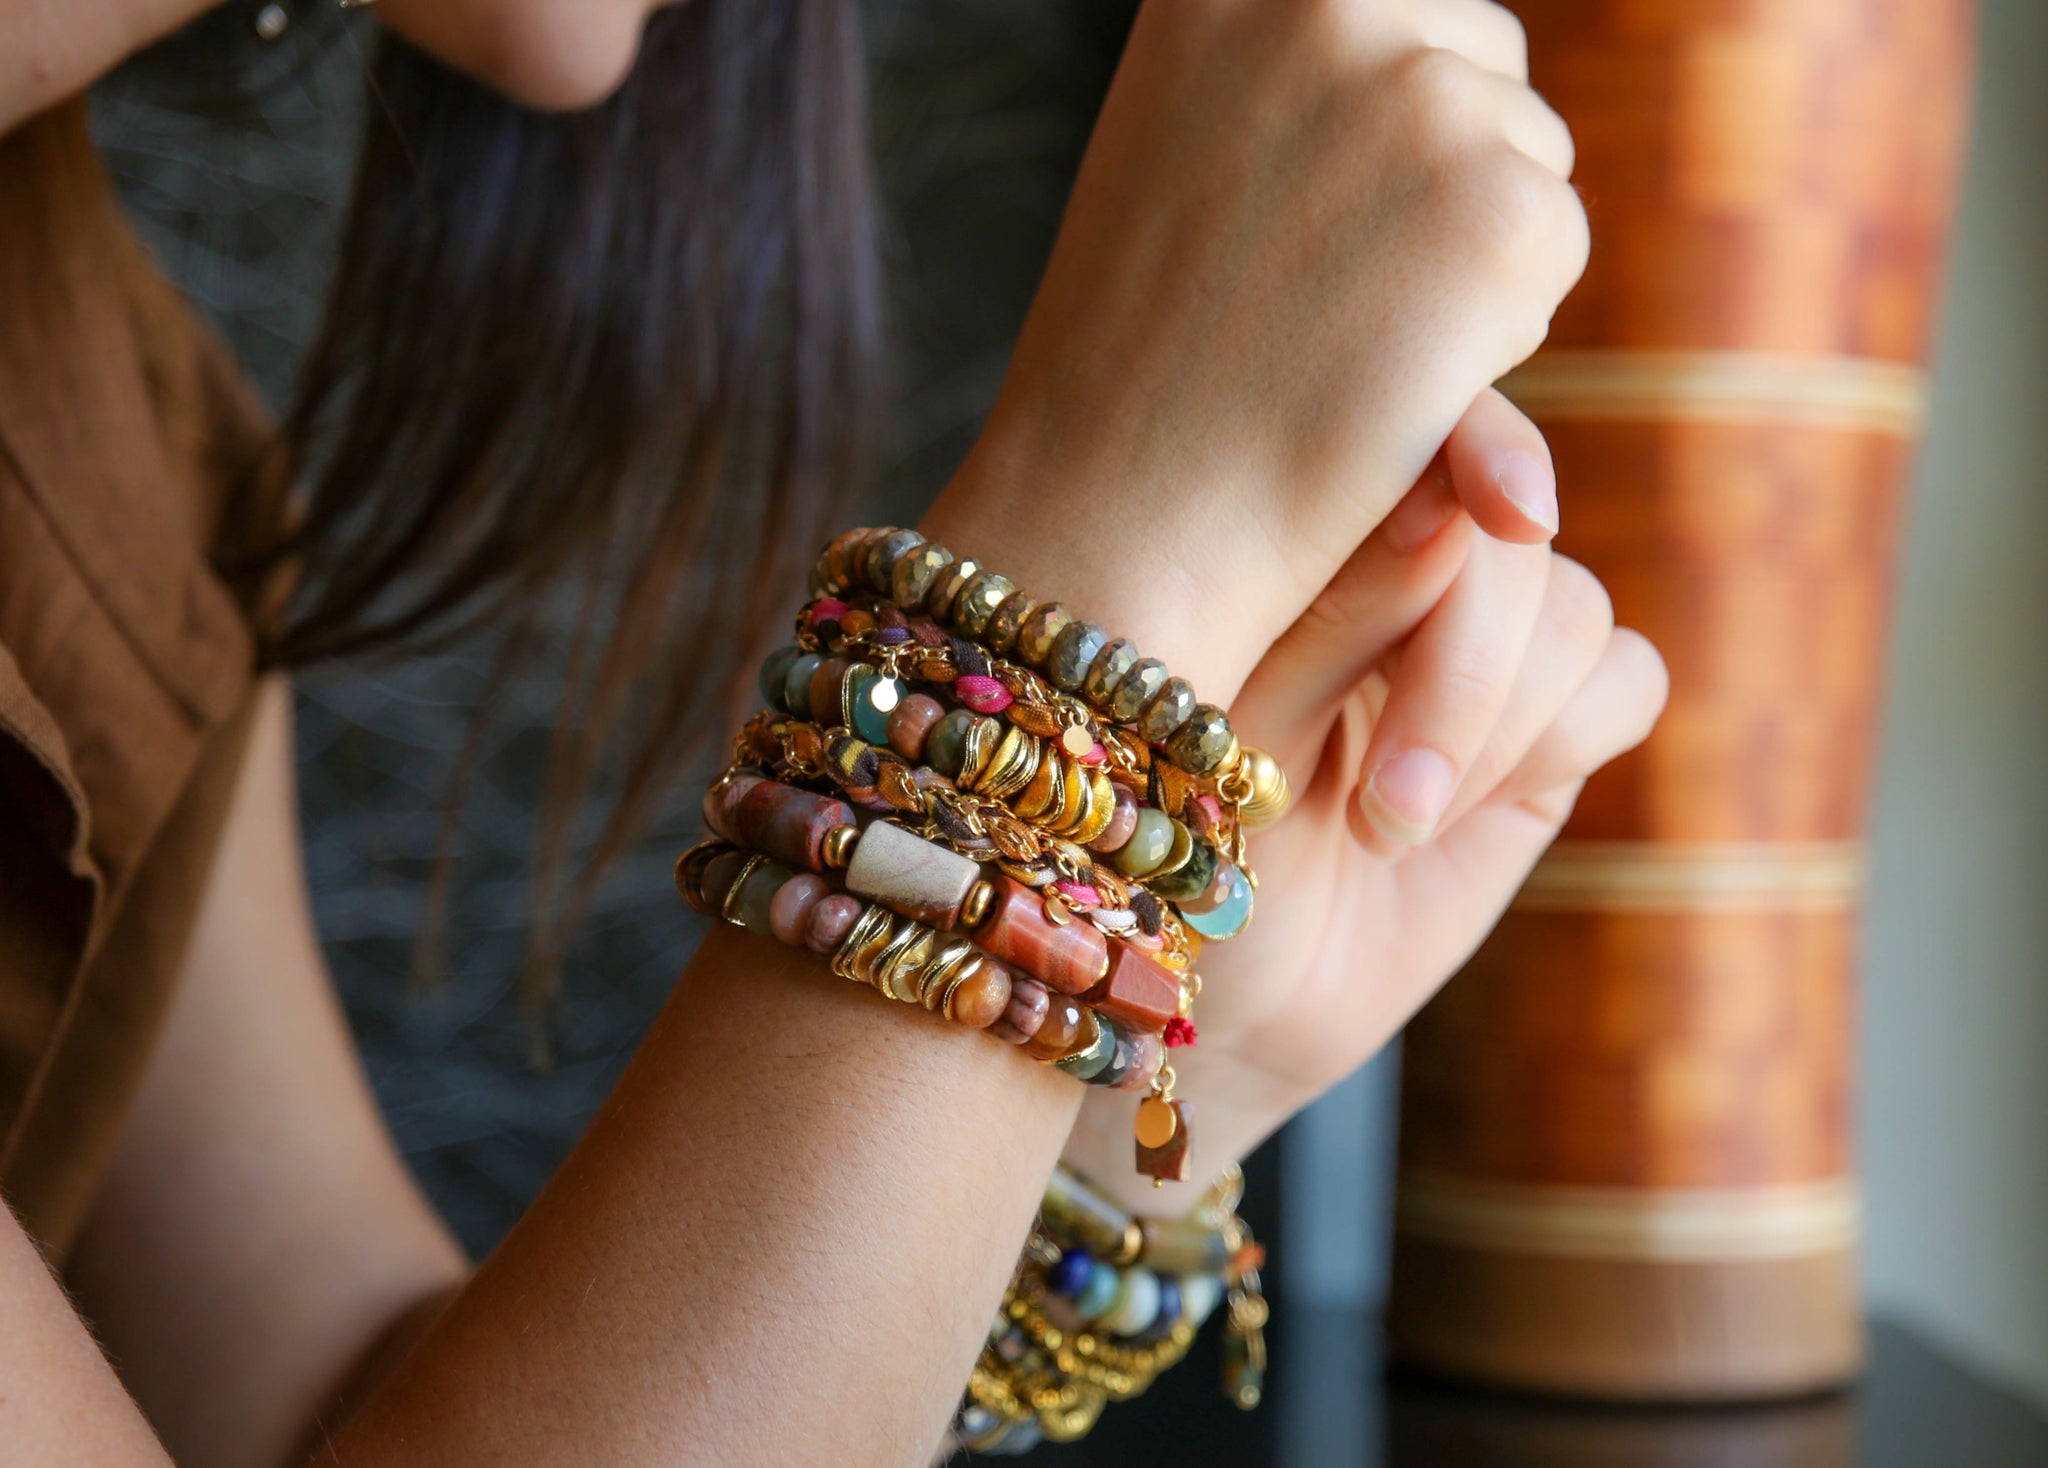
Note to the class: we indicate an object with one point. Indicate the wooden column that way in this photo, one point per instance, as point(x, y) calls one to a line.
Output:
point(1627, 1138)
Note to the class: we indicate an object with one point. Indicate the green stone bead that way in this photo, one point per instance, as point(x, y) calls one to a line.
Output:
point(874, 699)
point(883, 554)
point(1073, 652)
point(1001, 636)
point(1200, 745)
point(750, 904)
point(796, 687)
point(1147, 677)
point(1110, 665)
point(775, 673)
point(1151, 840)
point(945, 748)
point(978, 602)
point(1040, 630)
point(915, 573)
point(1091, 1057)
point(1194, 876)
point(1170, 707)
point(939, 600)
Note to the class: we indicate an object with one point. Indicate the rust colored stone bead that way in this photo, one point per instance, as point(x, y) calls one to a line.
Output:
point(719, 801)
point(1068, 1023)
point(982, 998)
point(827, 684)
point(1069, 957)
point(911, 721)
point(1141, 993)
point(788, 824)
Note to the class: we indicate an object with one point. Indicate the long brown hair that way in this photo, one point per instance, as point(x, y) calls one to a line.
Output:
point(625, 356)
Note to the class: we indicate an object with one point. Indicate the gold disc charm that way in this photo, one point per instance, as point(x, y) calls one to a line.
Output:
point(1076, 740)
point(1157, 1122)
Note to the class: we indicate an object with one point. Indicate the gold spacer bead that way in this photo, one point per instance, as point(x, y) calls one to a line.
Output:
point(838, 847)
point(980, 898)
point(1133, 1243)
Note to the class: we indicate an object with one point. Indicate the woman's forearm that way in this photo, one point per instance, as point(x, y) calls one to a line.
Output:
point(780, 1242)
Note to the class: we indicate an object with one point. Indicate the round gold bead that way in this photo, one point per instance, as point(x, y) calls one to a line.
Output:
point(980, 897)
point(838, 847)
point(1270, 795)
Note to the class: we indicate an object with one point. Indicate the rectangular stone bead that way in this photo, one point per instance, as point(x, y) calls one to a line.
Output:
point(1138, 991)
point(1177, 1247)
point(910, 875)
point(1173, 1162)
point(1070, 957)
point(787, 824)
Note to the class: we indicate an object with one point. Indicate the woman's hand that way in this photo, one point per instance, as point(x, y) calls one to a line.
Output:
point(1440, 705)
point(1306, 237)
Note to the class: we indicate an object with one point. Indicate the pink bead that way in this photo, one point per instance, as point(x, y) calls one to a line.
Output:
point(789, 909)
point(1150, 1053)
point(982, 694)
point(1030, 1001)
point(1096, 755)
point(1078, 894)
point(827, 609)
point(1205, 815)
point(830, 921)
point(1008, 1033)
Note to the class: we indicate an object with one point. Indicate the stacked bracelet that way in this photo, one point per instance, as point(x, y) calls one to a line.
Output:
point(969, 799)
point(1101, 1304)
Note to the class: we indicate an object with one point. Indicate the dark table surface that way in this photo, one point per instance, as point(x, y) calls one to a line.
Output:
point(1330, 1404)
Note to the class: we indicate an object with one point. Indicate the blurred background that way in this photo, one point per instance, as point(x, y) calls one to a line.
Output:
point(233, 153)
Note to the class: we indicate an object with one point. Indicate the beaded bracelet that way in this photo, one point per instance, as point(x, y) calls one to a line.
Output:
point(1103, 1302)
point(1111, 1041)
point(1078, 656)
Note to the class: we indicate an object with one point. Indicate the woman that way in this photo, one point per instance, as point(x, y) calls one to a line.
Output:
point(1248, 426)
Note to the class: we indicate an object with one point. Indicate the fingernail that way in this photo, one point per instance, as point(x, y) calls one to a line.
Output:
point(1531, 485)
point(1407, 795)
point(1424, 511)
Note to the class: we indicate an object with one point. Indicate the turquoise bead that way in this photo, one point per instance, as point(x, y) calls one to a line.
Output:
point(1151, 841)
point(1232, 895)
point(1100, 1292)
point(796, 685)
point(874, 699)
point(775, 671)
point(945, 748)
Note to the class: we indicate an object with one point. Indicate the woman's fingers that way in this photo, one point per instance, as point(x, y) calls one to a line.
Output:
point(1611, 713)
point(1572, 633)
point(1447, 693)
point(1501, 469)
point(1482, 32)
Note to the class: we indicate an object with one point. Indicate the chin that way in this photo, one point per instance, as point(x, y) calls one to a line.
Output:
point(551, 55)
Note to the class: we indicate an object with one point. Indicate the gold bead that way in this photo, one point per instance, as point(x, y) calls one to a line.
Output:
point(1266, 794)
point(980, 897)
point(838, 847)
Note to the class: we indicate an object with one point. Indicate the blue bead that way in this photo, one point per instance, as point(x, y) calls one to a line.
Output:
point(1228, 918)
point(796, 685)
point(1070, 1275)
point(774, 671)
point(1100, 1292)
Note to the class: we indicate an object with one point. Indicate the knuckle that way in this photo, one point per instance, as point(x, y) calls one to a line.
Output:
point(1437, 86)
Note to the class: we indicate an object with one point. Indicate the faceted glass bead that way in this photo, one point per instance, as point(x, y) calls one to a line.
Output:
point(882, 556)
point(796, 687)
point(978, 602)
point(775, 673)
point(1073, 651)
point(1200, 745)
point(1001, 636)
point(914, 574)
point(1146, 678)
point(1123, 1055)
point(1231, 895)
point(1170, 707)
point(946, 746)
point(1035, 638)
point(1151, 839)
point(1108, 670)
point(939, 600)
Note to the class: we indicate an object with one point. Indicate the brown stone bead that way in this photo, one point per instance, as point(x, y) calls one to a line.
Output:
point(1029, 1002)
point(982, 998)
point(1141, 993)
point(908, 874)
point(1121, 823)
point(911, 722)
point(1067, 1023)
point(788, 824)
point(1069, 957)
point(826, 686)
